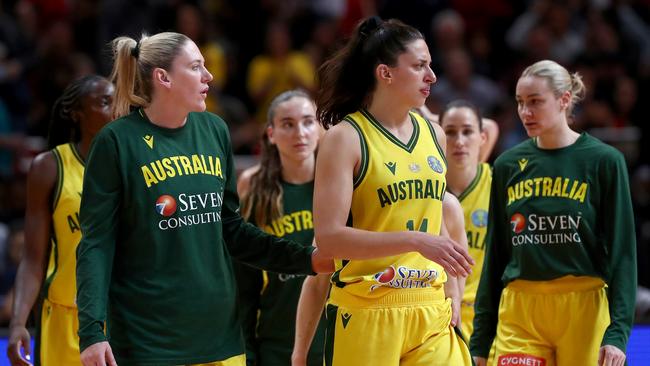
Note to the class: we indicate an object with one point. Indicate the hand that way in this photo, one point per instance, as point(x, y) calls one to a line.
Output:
point(610, 356)
point(447, 253)
point(19, 339)
point(298, 359)
point(320, 263)
point(480, 361)
point(99, 354)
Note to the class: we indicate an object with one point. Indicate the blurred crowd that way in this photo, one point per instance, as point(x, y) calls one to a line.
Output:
point(256, 49)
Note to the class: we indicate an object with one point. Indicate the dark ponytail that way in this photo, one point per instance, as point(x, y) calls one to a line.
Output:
point(347, 79)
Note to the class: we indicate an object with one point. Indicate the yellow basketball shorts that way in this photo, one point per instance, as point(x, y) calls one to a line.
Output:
point(408, 328)
point(59, 343)
point(548, 323)
point(239, 360)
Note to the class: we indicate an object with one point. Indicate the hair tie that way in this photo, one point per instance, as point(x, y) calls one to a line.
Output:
point(369, 26)
point(135, 51)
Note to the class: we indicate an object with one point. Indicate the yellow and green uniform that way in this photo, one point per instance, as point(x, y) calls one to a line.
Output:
point(374, 303)
point(58, 341)
point(475, 201)
point(561, 230)
point(269, 300)
point(161, 224)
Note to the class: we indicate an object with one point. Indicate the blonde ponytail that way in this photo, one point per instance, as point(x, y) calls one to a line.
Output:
point(133, 66)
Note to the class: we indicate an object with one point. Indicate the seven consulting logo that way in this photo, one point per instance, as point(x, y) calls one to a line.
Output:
point(518, 222)
point(166, 205)
point(188, 209)
point(404, 277)
point(545, 229)
point(386, 276)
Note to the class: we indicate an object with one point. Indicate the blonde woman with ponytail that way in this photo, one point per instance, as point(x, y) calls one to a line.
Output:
point(559, 278)
point(160, 220)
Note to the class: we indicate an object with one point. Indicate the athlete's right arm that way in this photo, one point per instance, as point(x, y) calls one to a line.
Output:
point(339, 156)
point(100, 207)
point(310, 308)
point(41, 181)
point(454, 223)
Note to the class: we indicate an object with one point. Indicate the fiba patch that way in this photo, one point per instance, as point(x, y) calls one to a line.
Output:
point(480, 218)
point(434, 164)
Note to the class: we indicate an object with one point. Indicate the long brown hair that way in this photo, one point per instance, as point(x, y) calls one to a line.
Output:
point(264, 200)
point(347, 78)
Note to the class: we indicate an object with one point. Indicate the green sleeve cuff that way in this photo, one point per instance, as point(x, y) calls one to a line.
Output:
point(87, 341)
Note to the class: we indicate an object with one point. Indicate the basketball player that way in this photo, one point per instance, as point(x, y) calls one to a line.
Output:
point(277, 196)
point(160, 220)
point(469, 180)
point(380, 183)
point(559, 279)
point(54, 186)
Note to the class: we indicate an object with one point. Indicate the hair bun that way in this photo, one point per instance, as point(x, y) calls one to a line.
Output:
point(369, 26)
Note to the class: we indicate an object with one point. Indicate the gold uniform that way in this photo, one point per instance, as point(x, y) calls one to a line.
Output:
point(392, 310)
point(59, 343)
point(475, 201)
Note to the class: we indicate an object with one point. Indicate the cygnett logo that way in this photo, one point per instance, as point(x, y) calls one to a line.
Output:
point(166, 205)
point(518, 222)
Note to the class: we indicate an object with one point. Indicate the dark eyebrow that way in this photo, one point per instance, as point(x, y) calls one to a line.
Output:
point(531, 95)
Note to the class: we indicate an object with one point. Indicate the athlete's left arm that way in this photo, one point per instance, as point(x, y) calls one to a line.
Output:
point(617, 220)
point(454, 227)
point(100, 216)
point(251, 245)
point(497, 255)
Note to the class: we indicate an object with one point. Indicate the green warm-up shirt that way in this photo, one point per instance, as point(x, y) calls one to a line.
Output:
point(555, 213)
point(268, 299)
point(160, 222)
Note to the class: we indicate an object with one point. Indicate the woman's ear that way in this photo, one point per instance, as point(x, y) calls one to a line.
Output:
point(160, 76)
point(565, 100)
point(383, 73)
point(269, 133)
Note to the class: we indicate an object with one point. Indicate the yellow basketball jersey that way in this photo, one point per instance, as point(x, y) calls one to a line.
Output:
point(399, 187)
point(61, 281)
point(475, 201)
